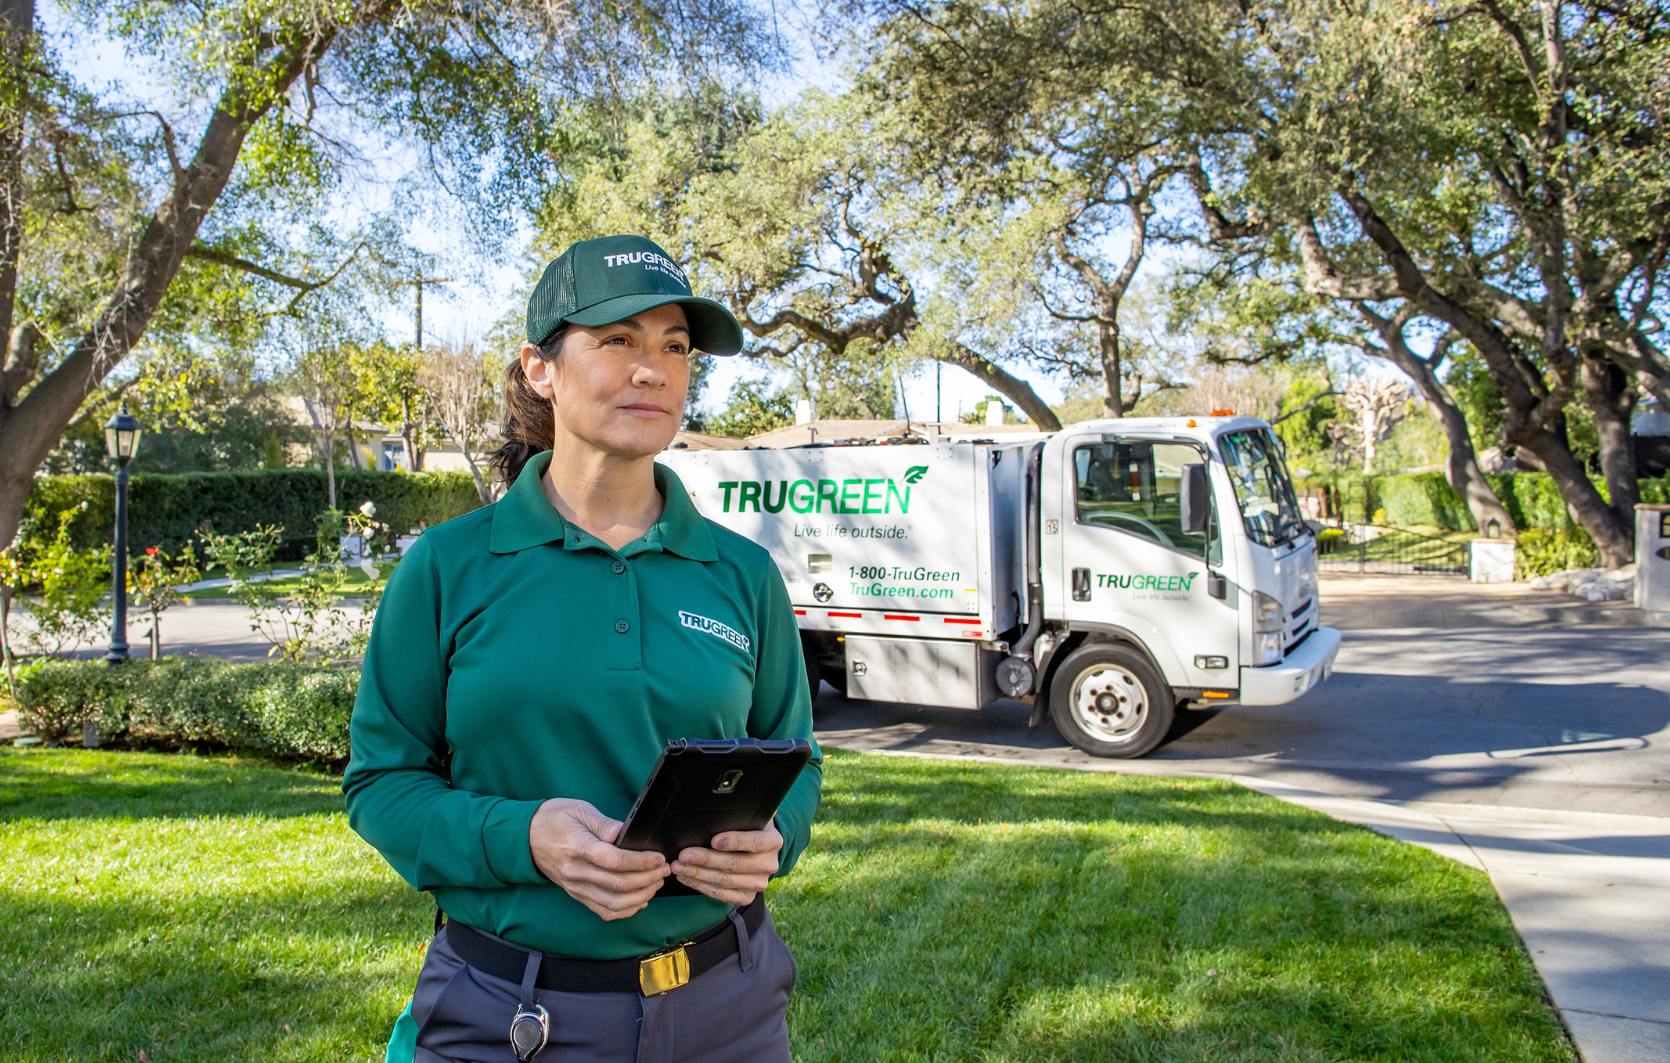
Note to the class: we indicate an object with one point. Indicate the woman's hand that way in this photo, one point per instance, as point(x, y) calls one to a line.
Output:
point(573, 846)
point(737, 868)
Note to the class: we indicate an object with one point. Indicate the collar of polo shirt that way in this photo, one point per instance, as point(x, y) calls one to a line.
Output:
point(525, 518)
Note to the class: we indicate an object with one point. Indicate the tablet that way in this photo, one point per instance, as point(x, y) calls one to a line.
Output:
point(700, 788)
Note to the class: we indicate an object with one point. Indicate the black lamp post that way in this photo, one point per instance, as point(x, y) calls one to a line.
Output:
point(121, 440)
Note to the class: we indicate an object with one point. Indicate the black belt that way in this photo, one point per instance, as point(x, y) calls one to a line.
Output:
point(652, 974)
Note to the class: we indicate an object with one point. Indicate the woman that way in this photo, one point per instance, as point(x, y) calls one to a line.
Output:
point(527, 665)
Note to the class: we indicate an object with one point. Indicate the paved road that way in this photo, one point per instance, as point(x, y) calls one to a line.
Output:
point(1574, 719)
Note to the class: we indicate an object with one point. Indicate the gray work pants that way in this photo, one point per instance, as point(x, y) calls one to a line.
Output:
point(727, 1015)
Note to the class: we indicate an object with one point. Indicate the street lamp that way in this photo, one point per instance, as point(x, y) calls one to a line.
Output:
point(121, 440)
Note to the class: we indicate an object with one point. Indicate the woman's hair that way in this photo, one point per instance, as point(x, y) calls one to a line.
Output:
point(530, 425)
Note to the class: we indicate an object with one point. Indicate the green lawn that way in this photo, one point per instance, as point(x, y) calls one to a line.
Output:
point(217, 908)
point(285, 585)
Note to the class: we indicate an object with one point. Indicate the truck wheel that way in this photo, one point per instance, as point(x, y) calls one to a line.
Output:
point(1110, 702)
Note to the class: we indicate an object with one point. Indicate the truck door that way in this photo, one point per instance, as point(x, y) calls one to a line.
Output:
point(1127, 561)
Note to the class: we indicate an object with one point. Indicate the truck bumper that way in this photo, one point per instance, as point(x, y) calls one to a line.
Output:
point(1300, 670)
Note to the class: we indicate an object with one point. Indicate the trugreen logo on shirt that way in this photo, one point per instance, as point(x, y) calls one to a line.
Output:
point(714, 627)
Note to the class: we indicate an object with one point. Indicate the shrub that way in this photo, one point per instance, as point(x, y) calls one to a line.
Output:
point(62, 586)
point(167, 511)
point(293, 710)
point(1540, 552)
point(1423, 498)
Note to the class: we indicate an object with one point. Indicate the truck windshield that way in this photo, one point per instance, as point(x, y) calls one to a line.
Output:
point(1262, 487)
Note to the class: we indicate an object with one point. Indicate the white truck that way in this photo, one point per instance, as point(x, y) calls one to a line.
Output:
point(1108, 573)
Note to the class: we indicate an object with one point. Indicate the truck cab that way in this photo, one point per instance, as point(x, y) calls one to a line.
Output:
point(1150, 593)
point(1107, 574)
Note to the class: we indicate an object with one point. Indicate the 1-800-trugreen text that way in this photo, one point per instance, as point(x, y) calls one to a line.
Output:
point(918, 574)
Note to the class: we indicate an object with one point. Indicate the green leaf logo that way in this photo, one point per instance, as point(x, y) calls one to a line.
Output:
point(915, 473)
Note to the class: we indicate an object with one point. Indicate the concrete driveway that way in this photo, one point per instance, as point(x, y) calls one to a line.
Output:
point(1533, 744)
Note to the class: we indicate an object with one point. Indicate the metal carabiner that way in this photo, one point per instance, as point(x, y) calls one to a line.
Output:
point(529, 1031)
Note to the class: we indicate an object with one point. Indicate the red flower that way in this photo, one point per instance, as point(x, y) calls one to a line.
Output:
point(151, 550)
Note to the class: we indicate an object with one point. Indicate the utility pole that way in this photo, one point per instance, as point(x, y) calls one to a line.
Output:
point(417, 282)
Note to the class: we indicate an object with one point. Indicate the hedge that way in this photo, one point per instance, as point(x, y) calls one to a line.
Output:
point(167, 510)
point(1426, 498)
point(290, 710)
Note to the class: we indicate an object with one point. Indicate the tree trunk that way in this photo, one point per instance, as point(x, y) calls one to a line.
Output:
point(481, 487)
point(29, 430)
point(1613, 401)
point(1527, 424)
point(1614, 537)
point(353, 448)
point(1462, 469)
point(330, 469)
point(414, 460)
point(1113, 395)
point(1007, 384)
point(17, 29)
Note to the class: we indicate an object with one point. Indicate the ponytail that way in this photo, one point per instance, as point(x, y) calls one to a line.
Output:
point(530, 425)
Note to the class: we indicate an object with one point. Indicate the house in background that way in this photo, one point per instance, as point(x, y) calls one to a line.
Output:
point(378, 446)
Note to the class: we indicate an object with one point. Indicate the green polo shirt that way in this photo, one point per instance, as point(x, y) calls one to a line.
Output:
point(550, 665)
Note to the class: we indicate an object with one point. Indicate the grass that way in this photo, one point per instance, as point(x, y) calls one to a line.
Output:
point(212, 908)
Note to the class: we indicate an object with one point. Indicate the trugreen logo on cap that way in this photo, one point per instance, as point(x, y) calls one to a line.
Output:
point(612, 278)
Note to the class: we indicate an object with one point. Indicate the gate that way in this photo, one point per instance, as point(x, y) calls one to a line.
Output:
point(1389, 552)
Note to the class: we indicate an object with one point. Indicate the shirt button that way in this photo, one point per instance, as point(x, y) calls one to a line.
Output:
point(622, 626)
point(618, 567)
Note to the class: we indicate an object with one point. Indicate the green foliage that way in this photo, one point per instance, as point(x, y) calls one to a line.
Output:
point(1530, 498)
point(752, 409)
point(1540, 552)
point(1309, 411)
point(169, 511)
point(1422, 499)
point(305, 620)
point(285, 709)
point(1476, 395)
point(63, 585)
point(152, 579)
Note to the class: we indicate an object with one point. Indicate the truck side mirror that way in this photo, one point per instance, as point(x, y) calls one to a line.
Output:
point(1195, 501)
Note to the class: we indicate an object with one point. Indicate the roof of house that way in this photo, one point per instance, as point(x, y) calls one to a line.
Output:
point(832, 431)
point(703, 441)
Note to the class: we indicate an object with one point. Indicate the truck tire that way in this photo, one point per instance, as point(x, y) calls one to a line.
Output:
point(1109, 701)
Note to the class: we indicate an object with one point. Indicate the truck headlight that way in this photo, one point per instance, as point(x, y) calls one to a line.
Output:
point(1267, 647)
point(1267, 613)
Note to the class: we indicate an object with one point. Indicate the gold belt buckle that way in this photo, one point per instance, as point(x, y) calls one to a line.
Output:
point(664, 971)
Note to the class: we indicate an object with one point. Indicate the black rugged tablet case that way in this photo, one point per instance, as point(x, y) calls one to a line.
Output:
point(703, 787)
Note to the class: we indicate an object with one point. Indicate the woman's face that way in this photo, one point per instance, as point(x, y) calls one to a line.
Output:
point(619, 388)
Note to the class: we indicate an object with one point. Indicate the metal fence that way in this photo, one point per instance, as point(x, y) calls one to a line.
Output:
point(1389, 552)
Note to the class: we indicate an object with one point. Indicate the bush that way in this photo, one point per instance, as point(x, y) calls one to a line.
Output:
point(1422, 499)
point(166, 511)
point(1540, 552)
point(291, 710)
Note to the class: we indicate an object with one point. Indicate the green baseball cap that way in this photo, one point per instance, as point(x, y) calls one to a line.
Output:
point(598, 282)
